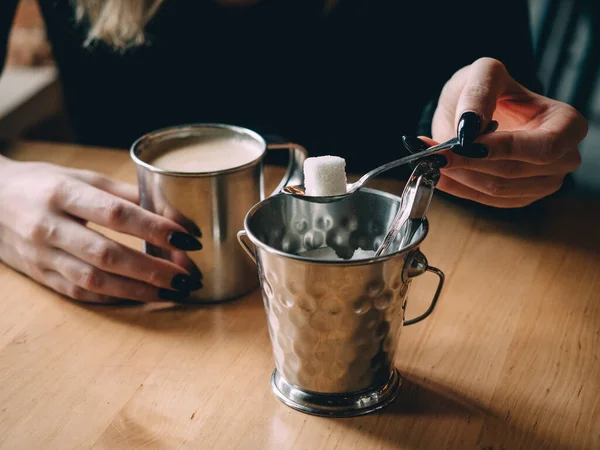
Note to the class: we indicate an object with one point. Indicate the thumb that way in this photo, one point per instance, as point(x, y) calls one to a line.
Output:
point(486, 82)
point(430, 142)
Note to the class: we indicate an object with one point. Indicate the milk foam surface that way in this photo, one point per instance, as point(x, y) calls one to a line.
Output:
point(209, 156)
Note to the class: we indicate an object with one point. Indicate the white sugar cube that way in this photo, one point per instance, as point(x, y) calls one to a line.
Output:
point(325, 176)
point(321, 253)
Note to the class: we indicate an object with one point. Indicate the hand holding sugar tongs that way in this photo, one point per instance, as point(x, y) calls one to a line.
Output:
point(351, 188)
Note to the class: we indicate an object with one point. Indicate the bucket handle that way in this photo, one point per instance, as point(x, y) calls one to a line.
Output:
point(246, 244)
point(417, 265)
point(436, 296)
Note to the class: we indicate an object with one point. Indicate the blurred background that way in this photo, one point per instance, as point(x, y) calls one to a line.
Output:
point(565, 34)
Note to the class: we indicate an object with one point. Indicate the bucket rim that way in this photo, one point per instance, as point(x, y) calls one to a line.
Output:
point(350, 262)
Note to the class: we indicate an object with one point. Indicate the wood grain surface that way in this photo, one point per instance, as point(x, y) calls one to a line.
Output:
point(510, 359)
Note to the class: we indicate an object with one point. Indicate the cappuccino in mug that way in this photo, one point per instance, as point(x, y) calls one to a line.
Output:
point(209, 156)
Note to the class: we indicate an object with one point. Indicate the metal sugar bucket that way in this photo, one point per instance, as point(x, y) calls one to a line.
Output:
point(334, 325)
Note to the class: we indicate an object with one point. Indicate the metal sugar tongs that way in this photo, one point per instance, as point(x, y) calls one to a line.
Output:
point(416, 199)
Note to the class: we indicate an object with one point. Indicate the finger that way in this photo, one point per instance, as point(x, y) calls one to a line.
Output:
point(110, 256)
point(126, 191)
point(183, 260)
point(63, 286)
point(94, 280)
point(130, 192)
point(457, 189)
point(37, 261)
point(174, 215)
point(510, 188)
point(163, 208)
point(92, 204)
point(486, 82)
point(536, 146)
point(559, 131)
point(445, 111)
point(514, 169)
point(430, 142)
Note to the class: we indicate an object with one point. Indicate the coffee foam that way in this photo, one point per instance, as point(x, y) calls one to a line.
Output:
point(209, 156)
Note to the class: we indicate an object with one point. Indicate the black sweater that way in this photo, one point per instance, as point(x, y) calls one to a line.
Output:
point(348, 83)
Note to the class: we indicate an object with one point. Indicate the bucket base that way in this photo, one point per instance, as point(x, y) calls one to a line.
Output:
point(336, 405)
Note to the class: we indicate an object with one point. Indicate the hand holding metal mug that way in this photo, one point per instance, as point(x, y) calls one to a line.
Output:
point(206, 177)
point(43, 233)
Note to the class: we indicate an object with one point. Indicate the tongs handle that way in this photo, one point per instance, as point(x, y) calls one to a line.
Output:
point(416, 199)
point(428, 176)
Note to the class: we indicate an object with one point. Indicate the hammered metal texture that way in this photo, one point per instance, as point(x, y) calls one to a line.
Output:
point(334, 326)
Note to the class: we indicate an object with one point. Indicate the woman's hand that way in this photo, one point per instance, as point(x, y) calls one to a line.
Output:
point(43, 213)
point(526, 159)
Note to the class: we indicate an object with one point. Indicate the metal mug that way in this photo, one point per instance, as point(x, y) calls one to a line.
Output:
point(334, 325)
point(209, 204)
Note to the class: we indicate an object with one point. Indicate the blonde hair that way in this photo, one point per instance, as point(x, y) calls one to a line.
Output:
point(120, 23)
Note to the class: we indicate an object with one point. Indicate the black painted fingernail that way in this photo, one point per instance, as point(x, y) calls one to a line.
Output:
point(185, 283)
point(476, 151)
point(492, 126)
point(439, 161)
point(468, 128)
point(195, 230)
point(184, 241)
point(414, 144)
point(175, 296)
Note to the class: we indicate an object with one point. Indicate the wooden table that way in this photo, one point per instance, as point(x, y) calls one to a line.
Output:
point(510, 359)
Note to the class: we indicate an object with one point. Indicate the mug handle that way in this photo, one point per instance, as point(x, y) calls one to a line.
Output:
point(246, 244)
point(417, 265)
point(294, 173)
